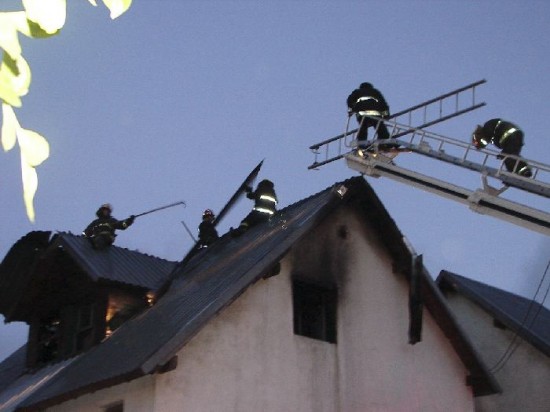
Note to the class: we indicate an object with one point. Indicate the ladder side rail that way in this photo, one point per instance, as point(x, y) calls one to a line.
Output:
point(403, 131)
point(402, 112)
point(435, 99)
point(440, 100)
point(316, 165)
point(478, 201)
point(441, 119)
point(421, 142)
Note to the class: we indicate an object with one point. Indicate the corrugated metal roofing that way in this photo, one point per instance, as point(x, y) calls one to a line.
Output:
point(114, 263)
point(530, 319)
point(201, 288)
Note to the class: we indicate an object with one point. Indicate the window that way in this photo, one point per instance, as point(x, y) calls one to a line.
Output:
point(84, 332)
point(48, 339)
point(314, 311)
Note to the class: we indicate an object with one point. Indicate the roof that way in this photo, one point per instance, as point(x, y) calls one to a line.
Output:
point(525, 317)
point(113, 264)
point(215, 277)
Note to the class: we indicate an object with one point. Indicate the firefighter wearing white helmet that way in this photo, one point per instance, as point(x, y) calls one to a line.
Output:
point(101, 231)
point(207, 230)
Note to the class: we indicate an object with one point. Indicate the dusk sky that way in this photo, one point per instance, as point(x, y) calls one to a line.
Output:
point(178, 100)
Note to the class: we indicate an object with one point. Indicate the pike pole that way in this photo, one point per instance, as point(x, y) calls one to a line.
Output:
point(161, 208)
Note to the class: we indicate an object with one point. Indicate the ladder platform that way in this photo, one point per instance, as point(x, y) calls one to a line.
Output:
point(480, 201)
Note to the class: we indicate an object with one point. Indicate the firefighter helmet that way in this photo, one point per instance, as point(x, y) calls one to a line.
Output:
point(478, 138)
point(107, 206)
point(208, 213)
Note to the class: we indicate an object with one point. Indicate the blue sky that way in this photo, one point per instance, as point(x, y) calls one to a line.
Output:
point(179, 100)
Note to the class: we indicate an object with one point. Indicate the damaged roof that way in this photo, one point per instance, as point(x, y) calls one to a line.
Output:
point(215, 277)
point(525, 317)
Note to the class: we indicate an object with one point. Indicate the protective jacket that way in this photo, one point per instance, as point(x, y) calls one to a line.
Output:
point(265, 205)
point(501, 133)
point(265, 199)
point(207, 233)
point(508, 137)
point(102, 230)
point(367, 101)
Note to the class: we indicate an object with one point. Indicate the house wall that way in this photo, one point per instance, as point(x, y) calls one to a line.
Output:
point(137, 395)
point(248, 358)
point(380, 370)
point(525, 376)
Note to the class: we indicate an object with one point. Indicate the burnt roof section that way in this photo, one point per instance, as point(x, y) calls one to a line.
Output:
point(209, 282)
point(527, 318)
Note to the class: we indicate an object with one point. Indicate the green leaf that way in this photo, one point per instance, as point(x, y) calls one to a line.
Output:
point(117, 7)
point(50, 15)
point(15, 79)
point(9, 127)
point(34, 147)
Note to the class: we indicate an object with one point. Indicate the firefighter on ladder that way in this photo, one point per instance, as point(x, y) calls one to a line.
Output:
point(101, 232)
point(265, 206)
point(369, 101)
point(506, 136)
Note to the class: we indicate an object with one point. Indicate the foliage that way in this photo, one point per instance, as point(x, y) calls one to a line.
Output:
point(38, 19)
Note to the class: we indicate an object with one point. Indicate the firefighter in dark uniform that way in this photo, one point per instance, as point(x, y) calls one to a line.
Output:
point(368, 101)
point(265, 206)
point(101, 231)
point(506, 136)
point(207, 231)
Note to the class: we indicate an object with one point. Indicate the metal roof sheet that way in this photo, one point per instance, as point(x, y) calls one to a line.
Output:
point(527, 318)
point(115, 264)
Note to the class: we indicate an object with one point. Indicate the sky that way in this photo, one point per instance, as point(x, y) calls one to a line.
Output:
point(178, 100)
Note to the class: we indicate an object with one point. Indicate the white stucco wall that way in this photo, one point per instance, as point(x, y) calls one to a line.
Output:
point(525, 376)
point(137, 395)
point(248, 359)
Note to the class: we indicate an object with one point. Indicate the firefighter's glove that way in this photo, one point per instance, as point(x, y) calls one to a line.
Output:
point(130, 220)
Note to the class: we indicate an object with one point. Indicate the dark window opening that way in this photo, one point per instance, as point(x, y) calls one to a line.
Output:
point(114, 407)
point(498, 324)
point(48, 339)
point(84, 328)
point(314, 311)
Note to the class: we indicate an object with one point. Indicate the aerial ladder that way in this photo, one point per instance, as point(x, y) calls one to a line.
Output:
point(416, 140)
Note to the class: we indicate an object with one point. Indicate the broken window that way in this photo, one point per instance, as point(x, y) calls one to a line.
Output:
point(48, 339)
point(314, 311)
point(84, 332)
point(120, 308)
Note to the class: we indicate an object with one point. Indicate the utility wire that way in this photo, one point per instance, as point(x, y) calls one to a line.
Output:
point(512, 345)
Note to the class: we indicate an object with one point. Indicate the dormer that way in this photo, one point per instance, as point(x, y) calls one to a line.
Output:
point(71, 295)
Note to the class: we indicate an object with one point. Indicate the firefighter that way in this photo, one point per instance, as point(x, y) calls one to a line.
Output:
point(101, 232)
point(207, 231)
point(368, 101)
point(506, 136)
point(265, 206)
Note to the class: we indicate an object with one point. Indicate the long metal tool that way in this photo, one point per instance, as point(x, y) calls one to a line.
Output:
point(161, 208)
